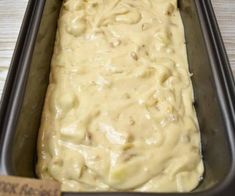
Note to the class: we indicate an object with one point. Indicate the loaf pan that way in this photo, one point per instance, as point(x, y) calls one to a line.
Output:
point(212, 79)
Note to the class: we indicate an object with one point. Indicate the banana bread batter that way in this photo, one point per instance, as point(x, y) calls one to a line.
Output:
point(118, 114)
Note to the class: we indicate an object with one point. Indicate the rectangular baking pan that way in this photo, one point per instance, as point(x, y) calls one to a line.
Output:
point(212, 79)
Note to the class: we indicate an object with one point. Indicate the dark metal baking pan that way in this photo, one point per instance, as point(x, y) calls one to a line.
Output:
point(212, 81)
point(23, 36)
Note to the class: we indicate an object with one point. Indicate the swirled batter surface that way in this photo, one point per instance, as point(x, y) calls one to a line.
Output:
point(118, 114)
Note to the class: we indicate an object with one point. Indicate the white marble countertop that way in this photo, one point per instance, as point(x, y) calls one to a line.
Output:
point(12, 11)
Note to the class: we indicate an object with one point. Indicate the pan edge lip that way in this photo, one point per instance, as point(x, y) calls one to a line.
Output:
point(210, 191)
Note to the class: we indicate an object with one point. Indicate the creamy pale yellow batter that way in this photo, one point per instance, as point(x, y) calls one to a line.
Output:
point(119, 113)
